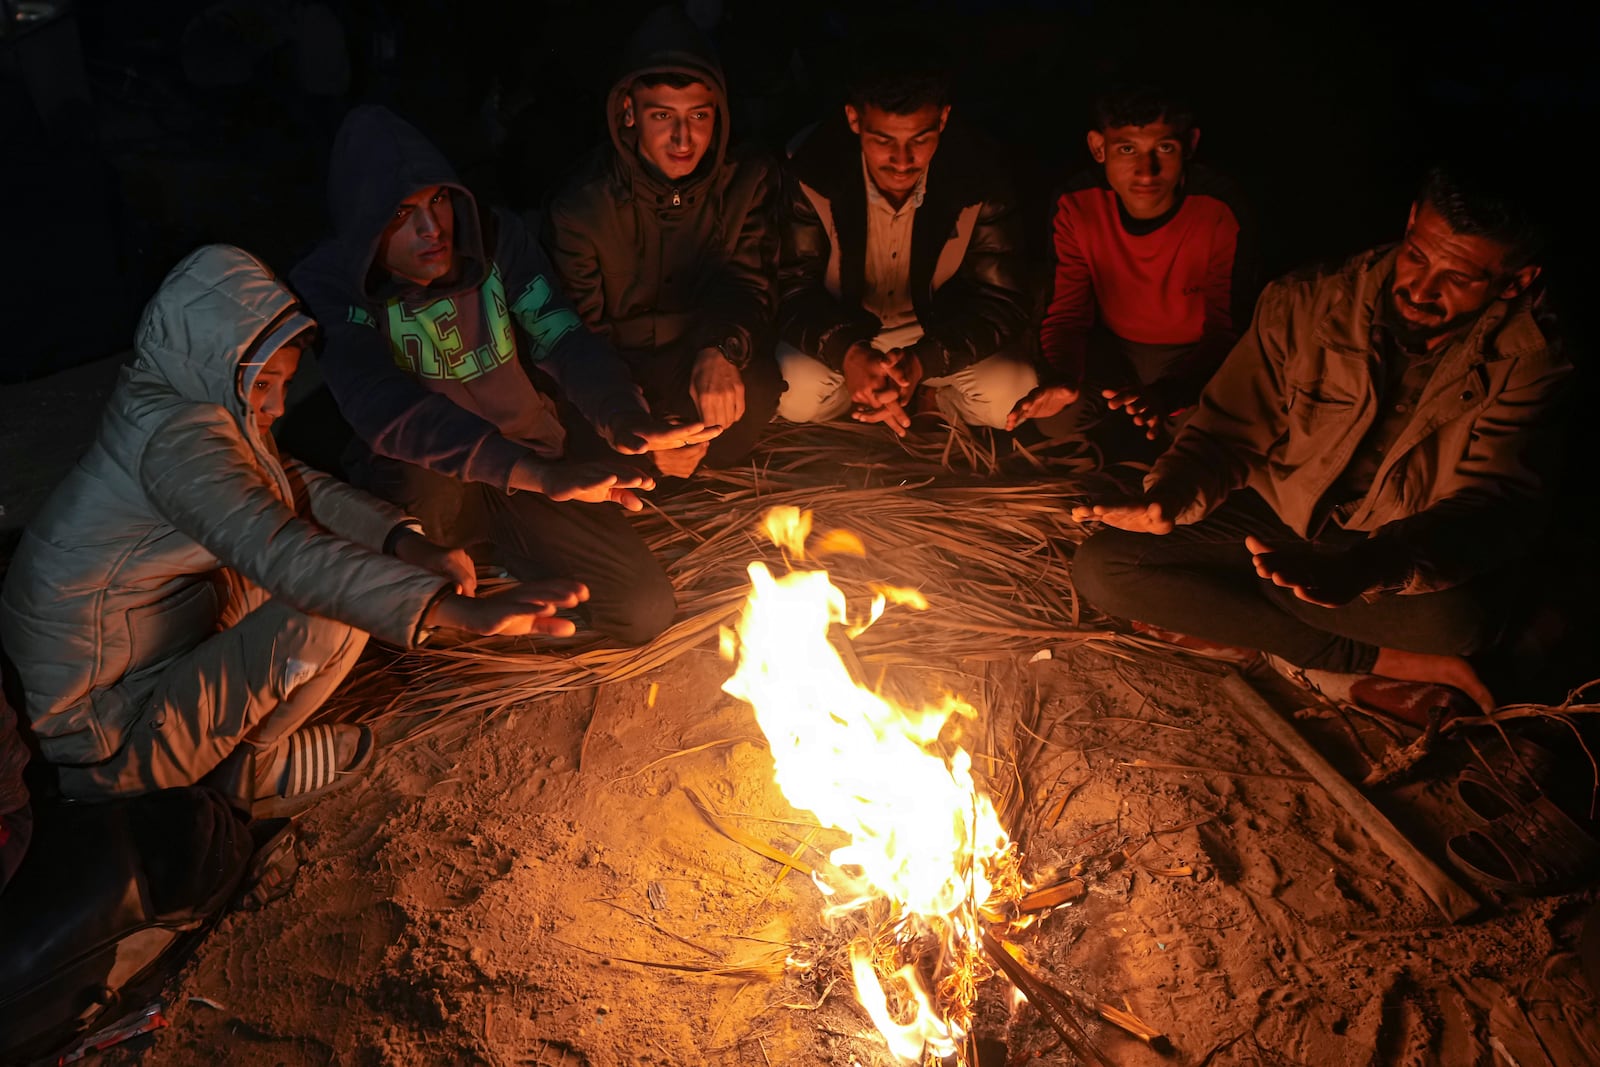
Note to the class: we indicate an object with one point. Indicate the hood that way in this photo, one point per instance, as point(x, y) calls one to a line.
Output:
point(378, 160)
point(219, 312)
point(668, 43)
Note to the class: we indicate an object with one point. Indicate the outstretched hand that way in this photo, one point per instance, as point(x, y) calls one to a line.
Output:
point(891, 413)
point(593, 482)
point(640, 432)
point(1138, 516)
point(1149, 406)
point(514, 610)
point(1327, 577)
point(1155, 512)
point(680, 462)
point(451, 563)
point(1043, 402)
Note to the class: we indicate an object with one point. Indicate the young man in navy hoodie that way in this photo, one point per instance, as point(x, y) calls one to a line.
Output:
point(438, 321)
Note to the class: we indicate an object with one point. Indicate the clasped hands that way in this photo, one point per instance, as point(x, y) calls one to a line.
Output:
point(881, 384)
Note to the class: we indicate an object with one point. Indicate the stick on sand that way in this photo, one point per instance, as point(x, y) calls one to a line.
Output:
point(1454, 901)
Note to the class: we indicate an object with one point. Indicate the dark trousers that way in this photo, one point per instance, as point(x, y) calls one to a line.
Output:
point(1112, 363)
point(532, 536)
point(663, 374)
point(1199, 580)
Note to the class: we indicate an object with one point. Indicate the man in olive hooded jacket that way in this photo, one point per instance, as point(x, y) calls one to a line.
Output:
point(666, 242)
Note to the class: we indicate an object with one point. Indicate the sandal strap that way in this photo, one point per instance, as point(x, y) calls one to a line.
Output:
point(1545, 849)
point(313, 759)
point(1523, 874)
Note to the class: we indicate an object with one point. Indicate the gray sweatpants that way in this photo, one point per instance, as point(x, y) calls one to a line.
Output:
point(255, 682)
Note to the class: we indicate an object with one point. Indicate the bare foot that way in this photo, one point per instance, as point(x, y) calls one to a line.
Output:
point(1441, 670)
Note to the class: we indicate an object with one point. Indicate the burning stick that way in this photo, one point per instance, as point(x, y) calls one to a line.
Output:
point(1064, 892)
point(1050, 1004)
point(1134, 1025)
point(922, 837)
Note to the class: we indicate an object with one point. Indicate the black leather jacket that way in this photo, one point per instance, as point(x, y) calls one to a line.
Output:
point(968, 272)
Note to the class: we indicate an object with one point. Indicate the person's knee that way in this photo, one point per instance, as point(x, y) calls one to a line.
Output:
point(1102, 568)
point(1463, 628)
point(763, 386)
point(646, 613)
point(310, 645)
point(989, 390)
point(812, 391)
point(438, 501)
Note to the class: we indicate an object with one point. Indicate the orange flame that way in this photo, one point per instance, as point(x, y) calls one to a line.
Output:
point(921, 835)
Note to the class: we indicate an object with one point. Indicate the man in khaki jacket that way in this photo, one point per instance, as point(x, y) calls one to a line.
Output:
point(1370, 457)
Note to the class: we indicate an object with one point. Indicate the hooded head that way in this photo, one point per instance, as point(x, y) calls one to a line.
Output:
point(396, 205)
point(219, 317)
point(668, 110)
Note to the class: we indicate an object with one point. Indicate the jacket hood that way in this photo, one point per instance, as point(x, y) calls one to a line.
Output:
point(667, 42)
point(219, 312)
point(378, 160)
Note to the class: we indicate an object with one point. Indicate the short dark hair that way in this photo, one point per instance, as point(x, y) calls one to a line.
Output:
point(899, 73)
point(1478, 201)
point(1140, 105)
point(672, 79)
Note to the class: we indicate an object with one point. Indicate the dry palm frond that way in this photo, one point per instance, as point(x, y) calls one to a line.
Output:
point(754, 844)
point(989, 545)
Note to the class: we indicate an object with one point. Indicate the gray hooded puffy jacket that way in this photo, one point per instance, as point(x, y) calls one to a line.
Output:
point(115, 578)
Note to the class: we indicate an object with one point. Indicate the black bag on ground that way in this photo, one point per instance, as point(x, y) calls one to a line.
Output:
point(109, 902)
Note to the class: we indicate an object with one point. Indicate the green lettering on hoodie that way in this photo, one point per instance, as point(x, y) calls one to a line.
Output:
point(546, 325)
point(427, 340)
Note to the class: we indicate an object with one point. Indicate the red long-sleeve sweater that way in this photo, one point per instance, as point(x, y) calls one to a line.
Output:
point(1175, 280)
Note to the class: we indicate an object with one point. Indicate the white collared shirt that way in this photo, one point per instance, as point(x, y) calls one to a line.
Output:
point(887, 289)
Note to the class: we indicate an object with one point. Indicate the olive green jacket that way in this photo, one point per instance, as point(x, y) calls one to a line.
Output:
point(1463, 486)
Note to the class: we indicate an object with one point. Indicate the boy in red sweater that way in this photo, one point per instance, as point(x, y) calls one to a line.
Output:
point(1150, 281)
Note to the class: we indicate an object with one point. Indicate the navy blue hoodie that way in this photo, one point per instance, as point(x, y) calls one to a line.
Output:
point(430, 374)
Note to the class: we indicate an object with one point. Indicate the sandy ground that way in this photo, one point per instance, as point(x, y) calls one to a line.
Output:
point(537, 888)
point(484, 899)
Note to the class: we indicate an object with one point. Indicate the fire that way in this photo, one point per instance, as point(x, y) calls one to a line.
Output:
point(922, 836)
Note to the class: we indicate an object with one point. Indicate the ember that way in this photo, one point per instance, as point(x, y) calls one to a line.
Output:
point(923, 838)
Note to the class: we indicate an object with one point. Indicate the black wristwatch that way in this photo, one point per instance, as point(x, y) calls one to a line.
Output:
point(734, 350)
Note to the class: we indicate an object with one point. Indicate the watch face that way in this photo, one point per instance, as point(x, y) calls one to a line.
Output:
point(733, 348)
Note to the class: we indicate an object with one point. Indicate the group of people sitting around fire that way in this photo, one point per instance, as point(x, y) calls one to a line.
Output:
point(1345, 478)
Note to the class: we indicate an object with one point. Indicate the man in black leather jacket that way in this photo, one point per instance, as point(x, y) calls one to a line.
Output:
point(900, 268)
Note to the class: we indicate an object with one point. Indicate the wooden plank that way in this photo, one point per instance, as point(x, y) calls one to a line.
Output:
point(1455, 902)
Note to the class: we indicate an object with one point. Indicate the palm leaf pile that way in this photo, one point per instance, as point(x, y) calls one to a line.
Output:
point(984, 533)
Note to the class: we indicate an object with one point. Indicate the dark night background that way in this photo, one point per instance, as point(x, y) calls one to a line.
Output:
point(122, 152)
